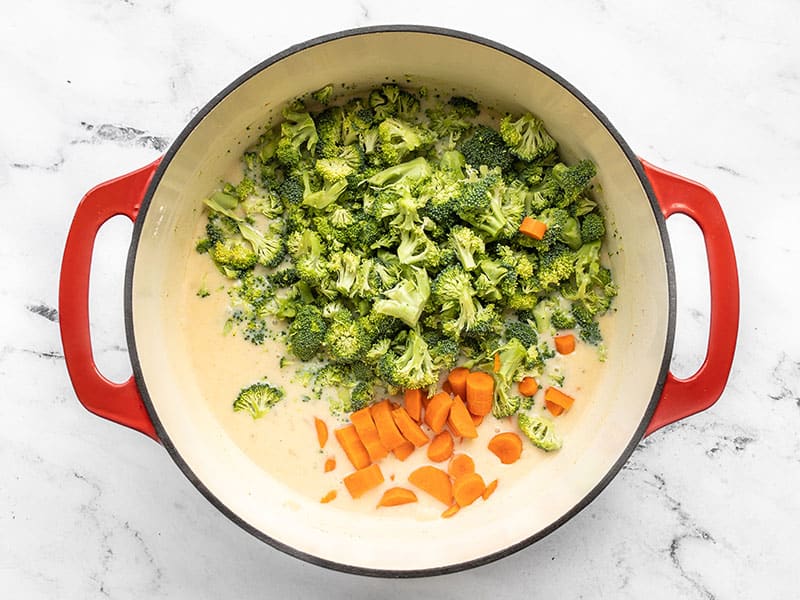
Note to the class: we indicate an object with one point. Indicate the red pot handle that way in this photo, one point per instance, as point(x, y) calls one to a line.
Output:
point(684, 397)
point(119, 402)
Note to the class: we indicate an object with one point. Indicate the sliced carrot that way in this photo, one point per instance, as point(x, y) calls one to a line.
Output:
point(533, 228)
point(468, 488)
point(403, 451)
point(476, 419)
point(322, 431)
point(412, 399)
point(460, 464)
point(433, 481)
point(480, 393)
point(410, 430)
point(490, 488)
point(330, 464)
point(437, 411)
point(353, 447)
point(565, 344)
point(554, 408)
point(441, 447)
point(396, 496)
point(368, 432)
point(328, 497)
point(506, 446)
point(457, 378)
point(460, 421)
point(360, 482)
point(450, 511)
point(558, 397)
point(496, 363)
point(388, 432)
point(528, 386)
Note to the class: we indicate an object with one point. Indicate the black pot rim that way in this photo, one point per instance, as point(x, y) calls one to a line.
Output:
point(163, 434)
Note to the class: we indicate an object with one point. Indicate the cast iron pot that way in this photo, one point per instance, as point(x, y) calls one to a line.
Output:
point(636, 396)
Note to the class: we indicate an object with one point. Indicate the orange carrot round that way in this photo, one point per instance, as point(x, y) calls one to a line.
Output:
point(353, 447)
point(468, 488)
point(457, 378)
point(506, 446)
point(409, 428)
point(433, 481)
point(437, 411)
point(528, 386)
point(368, 432)
point(441, 447)
point(363, 480)
point(450, 511)
point(460, 421)
point(412, 400)
point(403, 451)
point(490, 488)
point(322, 431)
point(565, 344)
point(396, 496)
point(330, 464)
point(461, 464)
point(480, 393)
point(559, 398)
point(388, 433)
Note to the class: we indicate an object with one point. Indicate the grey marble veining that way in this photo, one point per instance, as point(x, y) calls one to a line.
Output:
point(707, 508)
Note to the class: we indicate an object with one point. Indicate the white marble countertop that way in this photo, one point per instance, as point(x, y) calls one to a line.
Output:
point(706, 508)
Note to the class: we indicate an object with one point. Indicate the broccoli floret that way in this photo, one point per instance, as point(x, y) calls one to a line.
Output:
point(396, 138)
point(344, 267)
point(486, 147)
point(346, 339)
point(467, 245)
point(329, 124)
point(284, 277)
point(526, 137)
point(407, 299)
point(333, 169)
point(480, 204)
point(269, 247)
point(574, 180)
point(236, 255)
point(555, 265)
point(290, 191)
point(361, 395)
point(540, 431)
point(453, 293)
point(523, 332)
point(324, 94)
point(257, 399)
point(593, 227)
point(415, 248)
point(464, 106)
point(296, 130)
point(307, 332)
point(406, 175)
point(511, 357)
point(324, 197)
point(413, 368)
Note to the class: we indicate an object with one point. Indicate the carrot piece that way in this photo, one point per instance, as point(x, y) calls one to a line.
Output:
point(330, 464)
point(476, 420)
point(554, 408)
point(461, 464)
point(360, 482)
point(413, 403)
point(528, 386)
point(409, 428)
point(433, 481)
point(480, 393)
point(441, 447)
point(322, 431)
point(438, 410)
point(328, 497)
point(368, 432)
point(490, 488)
point(457, 378)
point(468, 488)
point(506, 446)
point(403, 451)
point(533, 228)
point(460, 421)
point(450, 511)
point(565, 344)
point(558, 397)
point(496, 363)
point(353, 447)
point(396, 496)
point(388, 432)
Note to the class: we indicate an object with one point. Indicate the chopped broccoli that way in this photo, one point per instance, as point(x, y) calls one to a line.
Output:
point(574, 180)
point(296, 130)
point(486, 147)
point(323, 95)
point(540, 431)
point(269, 247)
point(526, 137)
point(593, 227)
point(467, 245)
point(407, 299)
point(307, 332)
point(257, 399)
point(413, 368)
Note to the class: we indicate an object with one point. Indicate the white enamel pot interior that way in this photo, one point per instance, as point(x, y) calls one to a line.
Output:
point(599, 441)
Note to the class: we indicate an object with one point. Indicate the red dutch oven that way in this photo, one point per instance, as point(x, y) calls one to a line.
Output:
point(635, 395)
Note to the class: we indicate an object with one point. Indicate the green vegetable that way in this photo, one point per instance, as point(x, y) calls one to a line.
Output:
point(258, 399)
point(540, 431)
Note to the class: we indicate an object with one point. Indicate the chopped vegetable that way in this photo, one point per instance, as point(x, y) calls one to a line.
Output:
point(460, 421)
point(388, 433)
point(457, 378)
point(330, 496)
point(533, 228)
point(480, 393)
point(413, 403)
point(490, 488)
point(528, 386)
point(441, 447)
point(330, 465)
point(557, 397)
point(506, 446)
point(437, 411)
point(353, 447)
point(467, 488)
point(433, 481)
point(460, 464)
point(322, 431)
point(368, 433)
point(450, 511)
point(403, 451)
point(360, 482)
point(409, 428)
point(396, 496)
point(540, 431)
point(565, 344)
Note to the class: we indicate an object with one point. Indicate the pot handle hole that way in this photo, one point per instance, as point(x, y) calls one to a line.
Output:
point(681, 398)
point(118, 402)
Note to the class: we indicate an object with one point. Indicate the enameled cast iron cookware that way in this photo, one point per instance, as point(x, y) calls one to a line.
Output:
point(636, 396)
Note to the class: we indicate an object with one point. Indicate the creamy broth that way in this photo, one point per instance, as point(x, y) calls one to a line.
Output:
point(283, 442)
